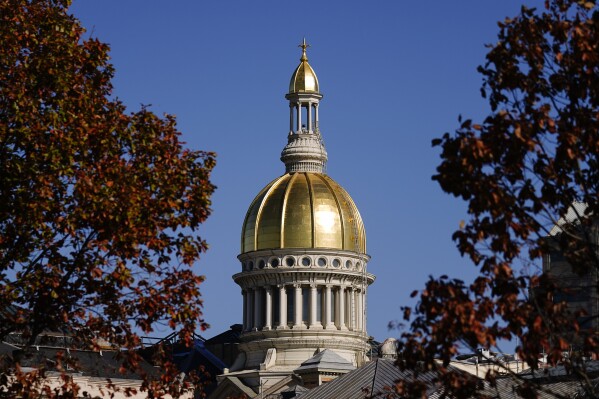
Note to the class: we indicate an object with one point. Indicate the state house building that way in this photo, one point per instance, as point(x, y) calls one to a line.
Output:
point(303, 272)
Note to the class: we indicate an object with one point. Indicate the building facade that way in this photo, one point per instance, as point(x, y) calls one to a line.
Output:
point(577, 285)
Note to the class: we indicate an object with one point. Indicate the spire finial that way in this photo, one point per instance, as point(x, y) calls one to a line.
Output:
point(304, 46)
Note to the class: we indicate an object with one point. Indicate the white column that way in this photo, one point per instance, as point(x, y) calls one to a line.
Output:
point(298, 306)
point(257, 309)
point(316, 116)
point(250, 308)
point(352, 308)
point(282, 308)
point(327, 322)
point(313, 302)
point(245, 309)
point(299, 117)
point(364, 309)
point(341, 313)
point(337, 308)
point(359, 311)
point(291, 118)
point(309, 108)
point(268, 299)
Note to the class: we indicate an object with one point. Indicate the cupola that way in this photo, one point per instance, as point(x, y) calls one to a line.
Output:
point(304, 78)
point(305, 150)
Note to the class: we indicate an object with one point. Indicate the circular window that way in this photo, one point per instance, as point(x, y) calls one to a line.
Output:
point(290, 261)
point(274, 262)
point(336, 263)
point(261, 264)
point(306, 261)
point(348, 264)
point(322, 262)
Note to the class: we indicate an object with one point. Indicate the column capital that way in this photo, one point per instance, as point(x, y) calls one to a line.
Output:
point(297, 285)
point(281, 286)
point(313, 285)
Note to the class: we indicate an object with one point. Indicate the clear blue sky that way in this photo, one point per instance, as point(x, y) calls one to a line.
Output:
point(394, 74)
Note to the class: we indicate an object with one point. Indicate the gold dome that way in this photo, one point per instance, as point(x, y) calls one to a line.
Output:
point(303, 210)
point(304, 79)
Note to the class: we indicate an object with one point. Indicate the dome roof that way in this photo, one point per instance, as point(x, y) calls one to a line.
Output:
point(303, 210)
point(304, 79)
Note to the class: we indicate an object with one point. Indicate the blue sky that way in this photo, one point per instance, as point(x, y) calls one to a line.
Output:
point(394, 74)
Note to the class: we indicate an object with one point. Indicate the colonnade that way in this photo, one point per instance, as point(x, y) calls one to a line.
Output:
point(311, 123)
point(301, 306)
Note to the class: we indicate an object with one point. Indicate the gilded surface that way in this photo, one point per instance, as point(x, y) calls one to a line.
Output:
point(268, 228)
point(304, 79)
point(328, 230)
point(303, 210)
point(297, 217)
point(248, 235)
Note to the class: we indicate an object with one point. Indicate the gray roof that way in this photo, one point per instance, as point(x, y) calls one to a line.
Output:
point(325, 360)
point(549, 387)
point(375, 378)
point(232, 386)
point(103, 364)
point(296, 389)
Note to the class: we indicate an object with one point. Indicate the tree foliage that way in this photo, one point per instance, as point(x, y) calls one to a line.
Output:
point(519, 171)
point(99, 208)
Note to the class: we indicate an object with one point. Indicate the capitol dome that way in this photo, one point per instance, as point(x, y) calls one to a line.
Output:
point(303, 259)
point(303, 210)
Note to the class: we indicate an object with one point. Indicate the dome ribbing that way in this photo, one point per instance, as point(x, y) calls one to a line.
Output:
point(303, 210)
